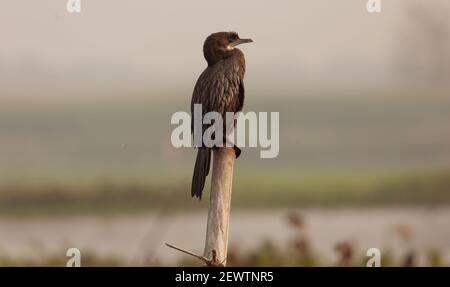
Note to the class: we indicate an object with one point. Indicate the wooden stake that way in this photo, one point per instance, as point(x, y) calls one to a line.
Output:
point(216, 244)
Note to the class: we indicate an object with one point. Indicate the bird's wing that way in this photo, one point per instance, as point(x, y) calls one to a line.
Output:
point(241, 96)
point(200, 94)
point(220, 88)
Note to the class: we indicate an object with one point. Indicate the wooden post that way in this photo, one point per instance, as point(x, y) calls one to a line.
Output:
point(216, 243)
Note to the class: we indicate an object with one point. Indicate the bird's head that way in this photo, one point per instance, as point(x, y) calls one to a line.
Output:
point(220, 45)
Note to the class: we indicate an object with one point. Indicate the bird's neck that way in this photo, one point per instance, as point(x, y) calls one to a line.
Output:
point(234, 54)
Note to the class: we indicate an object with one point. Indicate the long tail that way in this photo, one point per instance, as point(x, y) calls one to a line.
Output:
point(201, 170)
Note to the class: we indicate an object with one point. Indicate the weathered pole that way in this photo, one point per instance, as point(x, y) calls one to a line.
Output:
point(216, 244)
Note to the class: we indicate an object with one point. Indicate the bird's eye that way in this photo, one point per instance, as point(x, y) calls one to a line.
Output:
point(233, 37)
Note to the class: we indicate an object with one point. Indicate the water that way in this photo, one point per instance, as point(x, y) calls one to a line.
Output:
point(134, 238)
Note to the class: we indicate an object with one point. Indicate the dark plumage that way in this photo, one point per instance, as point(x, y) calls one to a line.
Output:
point(219, 88)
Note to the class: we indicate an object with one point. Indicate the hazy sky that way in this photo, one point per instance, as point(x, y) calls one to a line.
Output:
point(158, 44)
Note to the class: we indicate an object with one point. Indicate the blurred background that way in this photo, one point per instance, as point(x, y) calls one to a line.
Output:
point(86, 159)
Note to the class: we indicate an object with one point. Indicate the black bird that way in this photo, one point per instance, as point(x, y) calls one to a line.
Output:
point(220, 88)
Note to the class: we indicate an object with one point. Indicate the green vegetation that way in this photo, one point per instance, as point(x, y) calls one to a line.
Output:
point(113, 155)
point(257, 190)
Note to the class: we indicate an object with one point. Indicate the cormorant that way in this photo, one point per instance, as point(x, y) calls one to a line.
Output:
point(220, 88)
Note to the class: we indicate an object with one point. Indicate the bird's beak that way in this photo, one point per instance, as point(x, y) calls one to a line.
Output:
point(240, 41)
